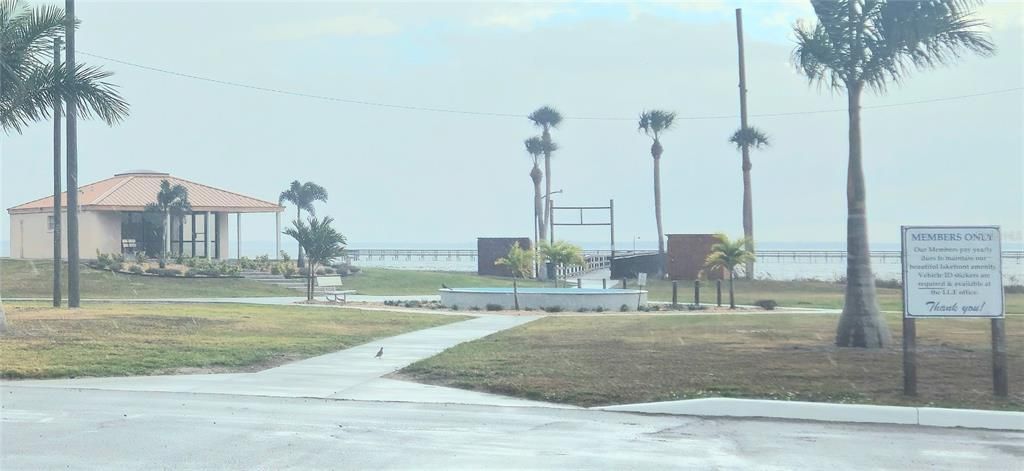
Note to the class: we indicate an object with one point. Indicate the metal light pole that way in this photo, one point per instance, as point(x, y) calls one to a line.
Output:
point(536, 236)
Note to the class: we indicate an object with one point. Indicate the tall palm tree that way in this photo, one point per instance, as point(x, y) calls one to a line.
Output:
point(546, 118)
point(535, 147)
point(303, 195)
point(870, 43)
point(746, 138)
point(653, 123)
point(31, 84)
point(726, 255)
point(171, 201)
point(322, 244)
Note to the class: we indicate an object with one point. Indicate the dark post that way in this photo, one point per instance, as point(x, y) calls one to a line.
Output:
point(909, 357)
point(74, 297)
point(1000, 381)
point(57, 268)
point(604, 283)
point(675, 293)
point(719, 288)
point(611, 223)
point(623, 283)
point(696, 292)
point(579, 282)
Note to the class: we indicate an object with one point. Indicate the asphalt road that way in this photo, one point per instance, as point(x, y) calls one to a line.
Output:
point(49, 428)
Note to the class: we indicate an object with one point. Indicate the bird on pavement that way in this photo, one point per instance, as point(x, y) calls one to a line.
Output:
point(380, 353)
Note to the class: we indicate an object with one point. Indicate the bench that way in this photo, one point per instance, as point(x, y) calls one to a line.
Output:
point(332, 285)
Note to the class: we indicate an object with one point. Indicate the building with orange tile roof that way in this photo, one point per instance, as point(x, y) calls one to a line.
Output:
point(112, 219)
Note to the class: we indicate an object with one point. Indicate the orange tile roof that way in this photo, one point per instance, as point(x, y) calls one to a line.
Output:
point(133, 191)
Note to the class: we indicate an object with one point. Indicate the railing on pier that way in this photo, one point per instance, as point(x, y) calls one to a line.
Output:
point(591, 262)
point(824, 256)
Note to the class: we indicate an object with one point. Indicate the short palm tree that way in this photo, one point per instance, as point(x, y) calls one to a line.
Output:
point(303, 195)
point(726, 255)
point(171, 201)
point(31, 85)
point(561, 253)
point(546, 118)
point(321, 242)
point(653, 123)
point(520, 263)
point(871, 43)
point(745, 139)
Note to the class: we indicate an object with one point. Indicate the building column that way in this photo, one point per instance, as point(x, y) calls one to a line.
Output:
point(206, 234)
point(238, 236)
point(277, 236)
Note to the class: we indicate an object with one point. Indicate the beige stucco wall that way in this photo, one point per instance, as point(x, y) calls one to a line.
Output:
point(30, 237)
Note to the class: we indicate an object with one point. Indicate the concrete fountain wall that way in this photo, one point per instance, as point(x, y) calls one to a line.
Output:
point(569, 299)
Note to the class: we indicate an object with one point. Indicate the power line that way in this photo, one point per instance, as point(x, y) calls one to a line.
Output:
point(517, 115)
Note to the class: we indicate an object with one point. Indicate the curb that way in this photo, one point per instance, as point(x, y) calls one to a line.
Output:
point(824, 412)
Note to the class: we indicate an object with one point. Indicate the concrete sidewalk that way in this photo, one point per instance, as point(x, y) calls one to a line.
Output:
point(348, 374)
point(825, 412)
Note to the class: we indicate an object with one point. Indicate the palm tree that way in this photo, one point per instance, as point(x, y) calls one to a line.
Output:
point(726, 255)
point(31, 85)
point(322, 244)
point(653, 123)
point(302, 195)
point(519, 263)
point(746, 138)
point(546, 118)
point(870, 43)
point(171, 201)
point(561, 253)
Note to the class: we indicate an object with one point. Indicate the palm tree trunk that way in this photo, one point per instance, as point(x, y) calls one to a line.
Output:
point(547, 185)
point(74, 297)
point(165, 227)
point(748, 212)
point(309, 284)
point(538, 211)
point(861, 323)
point(57, 258)
point(300, 261)
point(657, 204)
point(732, 290)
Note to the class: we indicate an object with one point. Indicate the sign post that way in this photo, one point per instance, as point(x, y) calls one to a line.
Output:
point(953, 271)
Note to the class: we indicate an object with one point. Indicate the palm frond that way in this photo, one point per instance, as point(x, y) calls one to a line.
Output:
point(654, 122)
point(749, 137)
point(546, 117)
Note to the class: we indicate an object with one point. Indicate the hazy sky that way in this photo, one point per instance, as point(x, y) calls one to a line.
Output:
point(399, 176)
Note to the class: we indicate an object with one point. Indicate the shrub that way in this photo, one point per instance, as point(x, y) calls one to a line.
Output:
point(136, 269)
point(493, 307)
point(455, 307)
point(474, 308)
point(285, 257)
point(1013, 289)
point(112, 262)
point(892, 284)
point(552, 308)
point(624, 308)
point(190, 274)
point(583, 309)
point(766, 304)
point(599, 309)
point(140, 257)
point(152, 270)
point(275, 269)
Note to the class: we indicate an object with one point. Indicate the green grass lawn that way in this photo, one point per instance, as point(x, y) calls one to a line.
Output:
point(34, 279)
point(591, 361)
point(137, 339)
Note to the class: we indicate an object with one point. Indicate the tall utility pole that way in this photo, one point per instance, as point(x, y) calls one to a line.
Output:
point(74, 298)
point(748, 210)
point(56, 186)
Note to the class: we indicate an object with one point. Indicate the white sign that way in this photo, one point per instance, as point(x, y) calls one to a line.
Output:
point(952, 271)
point(641, 279)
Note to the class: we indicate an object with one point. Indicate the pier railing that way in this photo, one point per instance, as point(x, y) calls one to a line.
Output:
point(597, 259)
